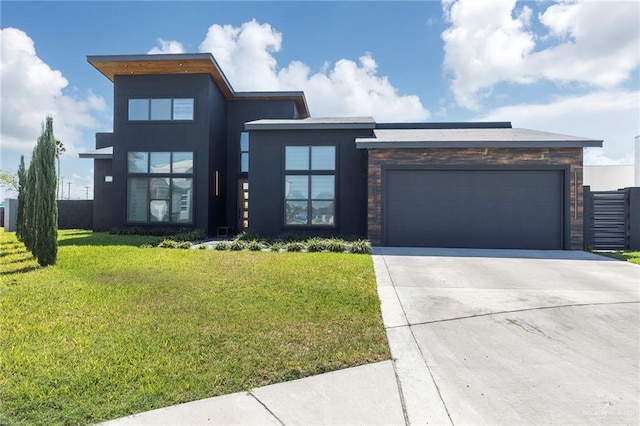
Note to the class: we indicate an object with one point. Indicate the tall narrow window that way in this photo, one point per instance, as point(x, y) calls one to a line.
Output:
point(309, 185)
point(244, 152)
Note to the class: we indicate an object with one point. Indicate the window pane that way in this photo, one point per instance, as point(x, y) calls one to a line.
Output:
point(296, 187)
point(244, 162)
point(137, 191)
point(161, 109)
point(138, 109)
point(297, 158)
point(159, 189)
point(182, 162)
point(322, 187)
point(296, 212)
point(137, 162)
point(159, 211)
point(244, 141)
point(183, 109)
point(322, 212)
point(181, 200)
point(323, 158)
point(159, 162)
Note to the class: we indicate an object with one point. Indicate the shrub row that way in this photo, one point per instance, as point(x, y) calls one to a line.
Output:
point(334, 245)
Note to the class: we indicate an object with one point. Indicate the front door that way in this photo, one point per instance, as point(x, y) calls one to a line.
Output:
point(243, 205)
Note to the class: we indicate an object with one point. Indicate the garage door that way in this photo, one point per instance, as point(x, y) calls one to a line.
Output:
point(474, 208)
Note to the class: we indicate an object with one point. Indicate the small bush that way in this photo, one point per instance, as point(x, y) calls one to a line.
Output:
point(202, 247)
point(360, 247)
point(147, 246)
point(316, 244)
point(167, 243)
point(254, 245)
point(237, 245)
point(294, 246)
point(223, 245)
point(276, 246)
point(336, 245)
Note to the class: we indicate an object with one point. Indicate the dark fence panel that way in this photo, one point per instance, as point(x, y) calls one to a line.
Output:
point(75, 214)
point(611, 219)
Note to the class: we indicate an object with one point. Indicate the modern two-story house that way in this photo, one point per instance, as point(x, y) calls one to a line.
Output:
point(189, 151)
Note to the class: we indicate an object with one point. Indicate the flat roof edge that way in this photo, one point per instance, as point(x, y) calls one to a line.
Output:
point(308, 126)
point(370, 143)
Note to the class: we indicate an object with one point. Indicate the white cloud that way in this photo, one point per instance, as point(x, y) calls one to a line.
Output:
point(590, 43)
point(611, 116)
point(246, 55)
point(31, 90)
point(165, 46)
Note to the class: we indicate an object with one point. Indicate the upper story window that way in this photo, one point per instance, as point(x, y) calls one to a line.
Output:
point(309, 185)
point(244, 152)
point(162, 109)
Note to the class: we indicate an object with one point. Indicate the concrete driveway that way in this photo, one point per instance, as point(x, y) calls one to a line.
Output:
point(512, 336)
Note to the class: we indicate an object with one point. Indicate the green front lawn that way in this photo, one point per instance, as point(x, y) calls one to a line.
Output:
point(114, 329)
point(629, 256)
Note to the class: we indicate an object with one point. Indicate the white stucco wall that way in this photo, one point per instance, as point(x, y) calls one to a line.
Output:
point(608, 178)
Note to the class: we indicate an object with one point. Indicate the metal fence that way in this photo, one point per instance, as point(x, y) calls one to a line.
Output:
point(610, 219)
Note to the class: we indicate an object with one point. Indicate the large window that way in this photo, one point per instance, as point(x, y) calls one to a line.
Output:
point(161, 109)
point(309, 185)
point(160, 187)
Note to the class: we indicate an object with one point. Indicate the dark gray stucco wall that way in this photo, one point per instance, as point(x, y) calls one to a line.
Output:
point(103, 192)
point(266, 181)
point(238, 113)
point(216, 194)
point(199, 135)
point(75, 214)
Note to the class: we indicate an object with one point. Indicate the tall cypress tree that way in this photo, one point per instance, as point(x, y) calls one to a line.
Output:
point(22, 181)
point(46, 226)
point(28, 229)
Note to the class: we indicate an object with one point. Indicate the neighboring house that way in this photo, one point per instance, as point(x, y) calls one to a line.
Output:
point(180, 156)
point(609, 177)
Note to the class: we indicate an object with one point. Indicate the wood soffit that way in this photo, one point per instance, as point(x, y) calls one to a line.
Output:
point(173, 66)
point(111, 68)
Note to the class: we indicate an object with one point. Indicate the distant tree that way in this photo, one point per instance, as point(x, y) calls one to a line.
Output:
point(59, 150)
point(22, 181)
point(46, 226)
point(8, 180)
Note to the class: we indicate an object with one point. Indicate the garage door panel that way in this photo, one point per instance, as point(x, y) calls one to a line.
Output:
point(474, 208)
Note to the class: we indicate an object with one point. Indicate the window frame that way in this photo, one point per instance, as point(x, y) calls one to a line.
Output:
point(310, 172)
point(170, 176)
point(171, 119)
point(241, 152)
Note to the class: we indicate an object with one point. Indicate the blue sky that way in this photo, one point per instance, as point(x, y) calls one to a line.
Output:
point(569, 67)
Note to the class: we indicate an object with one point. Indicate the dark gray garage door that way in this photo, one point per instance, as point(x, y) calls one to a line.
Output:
point(474, 208)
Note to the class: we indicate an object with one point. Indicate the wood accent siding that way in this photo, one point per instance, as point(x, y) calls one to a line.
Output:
point(481, 157)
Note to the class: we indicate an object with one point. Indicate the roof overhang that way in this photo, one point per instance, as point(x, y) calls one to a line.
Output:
point(98, 154)
point(472, 138)
point(321, 123)
point(186, 63)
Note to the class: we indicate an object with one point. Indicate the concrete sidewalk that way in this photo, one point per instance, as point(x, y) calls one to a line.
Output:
point(365, 395)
